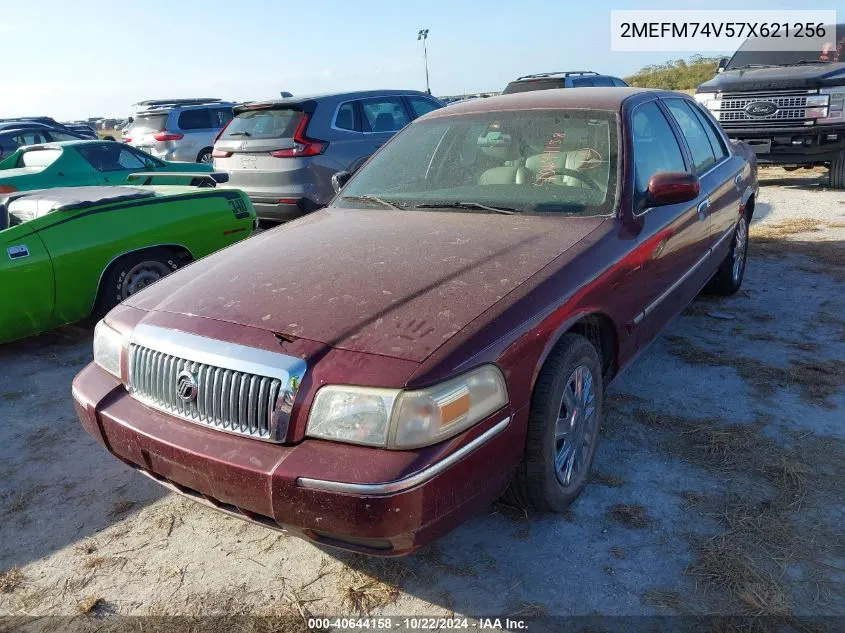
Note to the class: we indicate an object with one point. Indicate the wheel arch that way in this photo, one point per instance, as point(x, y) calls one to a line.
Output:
point(598, 328)
point(182, 252)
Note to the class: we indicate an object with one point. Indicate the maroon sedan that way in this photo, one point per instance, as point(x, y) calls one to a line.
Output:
point(370, 375)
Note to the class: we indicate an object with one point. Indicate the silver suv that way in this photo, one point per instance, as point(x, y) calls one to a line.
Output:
point(178, 129)
point(283, 153)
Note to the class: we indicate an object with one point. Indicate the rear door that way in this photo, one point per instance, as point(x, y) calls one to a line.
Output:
point(714, 168)
point(197, 132)
point(675, 238)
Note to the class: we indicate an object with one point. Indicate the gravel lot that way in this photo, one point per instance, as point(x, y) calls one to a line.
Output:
point(717, 487)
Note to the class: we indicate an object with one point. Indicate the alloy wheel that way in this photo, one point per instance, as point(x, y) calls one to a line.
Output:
point(740, 246)
point(575, 425)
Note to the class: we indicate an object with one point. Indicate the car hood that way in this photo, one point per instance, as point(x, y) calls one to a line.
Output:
point(776, 77)
point(396, 283)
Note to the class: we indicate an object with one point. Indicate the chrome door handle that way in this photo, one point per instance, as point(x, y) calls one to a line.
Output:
point(738, 179)
point(702, 209)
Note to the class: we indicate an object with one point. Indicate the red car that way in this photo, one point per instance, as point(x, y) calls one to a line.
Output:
point(373, 373)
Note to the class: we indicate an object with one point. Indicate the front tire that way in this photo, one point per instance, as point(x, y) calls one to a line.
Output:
point(133, 273)
point(563, 428)
point(837, 171)
point(729, 276)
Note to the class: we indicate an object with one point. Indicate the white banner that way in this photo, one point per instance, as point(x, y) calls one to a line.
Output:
point(711, 30)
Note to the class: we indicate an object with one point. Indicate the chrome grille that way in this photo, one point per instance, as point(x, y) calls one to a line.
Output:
point(791, 106)
point(228, 400)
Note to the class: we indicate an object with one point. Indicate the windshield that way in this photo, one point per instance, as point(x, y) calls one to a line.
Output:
point(833, 50)
point(531, 161)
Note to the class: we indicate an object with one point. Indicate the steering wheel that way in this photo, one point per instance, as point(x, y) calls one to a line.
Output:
point(592, 184)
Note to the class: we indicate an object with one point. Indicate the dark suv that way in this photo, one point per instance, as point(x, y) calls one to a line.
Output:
point(789, 106)
point(572, 79)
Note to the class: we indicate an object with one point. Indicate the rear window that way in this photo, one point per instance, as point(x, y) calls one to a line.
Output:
point(194, 120)
point(263, 124)
point(155, 122)
point(39, 157)
point(533, 84)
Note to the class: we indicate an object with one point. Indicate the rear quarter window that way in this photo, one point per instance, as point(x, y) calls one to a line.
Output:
point(263, 124)
point(194, 120)
point(39, 157)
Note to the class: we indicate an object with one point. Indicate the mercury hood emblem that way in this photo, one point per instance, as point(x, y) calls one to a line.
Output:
point(186, 386)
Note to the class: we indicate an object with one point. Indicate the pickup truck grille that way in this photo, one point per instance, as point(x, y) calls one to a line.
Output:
point(228, 400)
point(791, 110)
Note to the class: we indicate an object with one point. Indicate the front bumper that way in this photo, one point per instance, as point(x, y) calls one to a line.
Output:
point(363, 499)
point(787, 146)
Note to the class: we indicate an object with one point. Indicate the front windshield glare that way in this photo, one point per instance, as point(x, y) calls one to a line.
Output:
point(531, 161)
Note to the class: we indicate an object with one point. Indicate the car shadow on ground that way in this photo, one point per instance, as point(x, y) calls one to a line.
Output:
point(805, 180)
point(57, 484)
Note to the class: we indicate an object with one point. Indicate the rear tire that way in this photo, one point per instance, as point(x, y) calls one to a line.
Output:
point(837, 171)
point(205, 156)
point(132, 273)
point(545, 480)
point(729, 276)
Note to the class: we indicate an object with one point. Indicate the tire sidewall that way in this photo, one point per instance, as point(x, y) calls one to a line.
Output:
point(110, 292)
point(579, 353)
point(204, 152)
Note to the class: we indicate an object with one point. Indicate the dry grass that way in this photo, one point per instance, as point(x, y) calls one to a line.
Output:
point(629, 515)
point(434, 557)
point(816, 379)
point(10, 580)
point(20, 501)
point(773, 240)
point(605, 479)
point(89, 605)
point(371, 584)
point(663, 598)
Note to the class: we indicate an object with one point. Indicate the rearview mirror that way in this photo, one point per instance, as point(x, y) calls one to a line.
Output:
point(672, 187)
point(339, 180)
point(722, 64)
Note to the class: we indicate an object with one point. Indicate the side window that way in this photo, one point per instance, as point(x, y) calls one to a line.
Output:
point(61, 136)
point(347, 118)
point(143, 157)
point(655, 146)
point(220, 117)
point(421, 105)
point(128, 160)
point(716, 142)
point(385, 114)
point(582, 82)
point(194, 119)
point(602, 82)
point(619, 83)
point(702, 153)
point(30, 138)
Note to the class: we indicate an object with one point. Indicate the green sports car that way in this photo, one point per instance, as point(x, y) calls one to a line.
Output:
point(80, 164)
point(68, 253)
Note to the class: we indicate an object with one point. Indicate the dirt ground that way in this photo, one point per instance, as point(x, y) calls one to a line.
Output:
point(717, 488)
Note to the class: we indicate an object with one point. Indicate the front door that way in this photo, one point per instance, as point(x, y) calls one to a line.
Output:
point(27, 289)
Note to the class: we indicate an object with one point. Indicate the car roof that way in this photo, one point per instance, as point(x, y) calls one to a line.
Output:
point(560, 98)
point(355, 94)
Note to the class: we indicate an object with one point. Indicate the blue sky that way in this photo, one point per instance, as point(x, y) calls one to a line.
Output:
point(97, 57)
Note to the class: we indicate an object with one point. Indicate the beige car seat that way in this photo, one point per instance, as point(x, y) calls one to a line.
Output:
point(502, 147)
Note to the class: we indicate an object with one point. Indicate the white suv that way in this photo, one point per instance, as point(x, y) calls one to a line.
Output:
point(178, 129)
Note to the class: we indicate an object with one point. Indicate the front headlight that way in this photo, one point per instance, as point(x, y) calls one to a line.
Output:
point(836, 105)
point(108, 344)
point(392, 418)
point(707, 99)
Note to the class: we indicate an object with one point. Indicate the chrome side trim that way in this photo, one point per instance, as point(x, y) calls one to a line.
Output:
point(390, 487)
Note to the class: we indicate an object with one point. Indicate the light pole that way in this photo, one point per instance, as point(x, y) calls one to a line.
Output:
point(423, 35)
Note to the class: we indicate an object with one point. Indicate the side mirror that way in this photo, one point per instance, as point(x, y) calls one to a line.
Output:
point(339, 180)
point(722, 64)
point(672, 187)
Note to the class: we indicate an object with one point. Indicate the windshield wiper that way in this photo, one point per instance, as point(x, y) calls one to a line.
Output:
point(370, 198)
point(809, 61)
point(239, 133)
point(466, 205)
point(751, 66)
